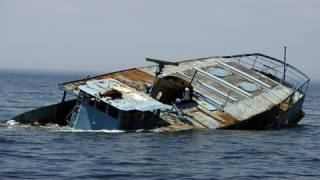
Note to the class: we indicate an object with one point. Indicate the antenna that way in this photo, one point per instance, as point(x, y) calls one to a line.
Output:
point(161, 65)
point(157, 61)
point(285, 64)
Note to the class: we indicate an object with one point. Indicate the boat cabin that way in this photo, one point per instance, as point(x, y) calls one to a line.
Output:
point(110, 104)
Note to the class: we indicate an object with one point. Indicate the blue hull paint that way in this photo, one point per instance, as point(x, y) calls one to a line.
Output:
point(88, 117)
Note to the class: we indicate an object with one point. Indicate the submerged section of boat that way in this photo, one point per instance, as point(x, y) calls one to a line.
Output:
point(249, 91)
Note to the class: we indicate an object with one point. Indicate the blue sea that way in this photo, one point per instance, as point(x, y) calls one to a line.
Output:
point(54, 152)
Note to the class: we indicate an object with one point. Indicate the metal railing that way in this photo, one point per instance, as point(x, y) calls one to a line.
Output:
point(277, 69)
point(269, 66)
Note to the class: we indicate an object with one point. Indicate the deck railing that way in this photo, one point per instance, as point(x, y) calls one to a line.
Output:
point(280, 71)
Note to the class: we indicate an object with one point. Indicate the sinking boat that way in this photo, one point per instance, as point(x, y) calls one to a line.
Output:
point(247, 91)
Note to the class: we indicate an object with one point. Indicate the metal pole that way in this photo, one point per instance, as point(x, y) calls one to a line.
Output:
point(64, 97)
point(194, 75)
point(285, 64)
point(254, 63)
point(225, 103)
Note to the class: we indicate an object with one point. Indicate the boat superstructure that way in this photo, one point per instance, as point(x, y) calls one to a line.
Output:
point(248, 91)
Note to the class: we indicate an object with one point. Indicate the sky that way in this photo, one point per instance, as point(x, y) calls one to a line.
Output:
point(110, 35)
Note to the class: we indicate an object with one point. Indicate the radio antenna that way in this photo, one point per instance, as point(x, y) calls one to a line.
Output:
point(285, 64)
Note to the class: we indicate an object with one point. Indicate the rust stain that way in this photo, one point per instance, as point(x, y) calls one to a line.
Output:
point(132, 74)
point(225, 118)
point(222, 117)
point(285, 105)
point(191, 113)
point(209, 115)
point(91, 78)
point(132, 77)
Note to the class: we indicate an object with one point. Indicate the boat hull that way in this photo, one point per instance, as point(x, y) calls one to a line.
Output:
point(274, 118)
point(54, 114)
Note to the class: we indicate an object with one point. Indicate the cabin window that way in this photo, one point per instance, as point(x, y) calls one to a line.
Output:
point(113, 112)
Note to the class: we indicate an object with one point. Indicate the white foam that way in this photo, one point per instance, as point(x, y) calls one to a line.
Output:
point(68, 129)
point(12, 122)
point(56, 128)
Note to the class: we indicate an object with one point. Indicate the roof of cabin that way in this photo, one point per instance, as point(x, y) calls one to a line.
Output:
point(130, 99)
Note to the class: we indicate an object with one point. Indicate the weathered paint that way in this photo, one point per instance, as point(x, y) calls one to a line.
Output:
point(131, 99)
point(87, 117)
point(134, 78)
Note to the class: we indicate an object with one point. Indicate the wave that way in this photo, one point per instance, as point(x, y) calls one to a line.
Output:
point(18, 107)
point(69, 129)
point(56, 128)
point(12, 123)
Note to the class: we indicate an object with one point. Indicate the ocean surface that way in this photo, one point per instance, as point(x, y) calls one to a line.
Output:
point(54, 152)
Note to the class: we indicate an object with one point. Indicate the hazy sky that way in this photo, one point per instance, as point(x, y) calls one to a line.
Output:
point(105, 35)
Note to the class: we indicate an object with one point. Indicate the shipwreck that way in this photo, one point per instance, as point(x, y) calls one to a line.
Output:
point(247, 91)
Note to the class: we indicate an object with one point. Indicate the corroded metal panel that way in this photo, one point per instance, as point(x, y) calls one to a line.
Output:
point(130, 99)
point(132, 77)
